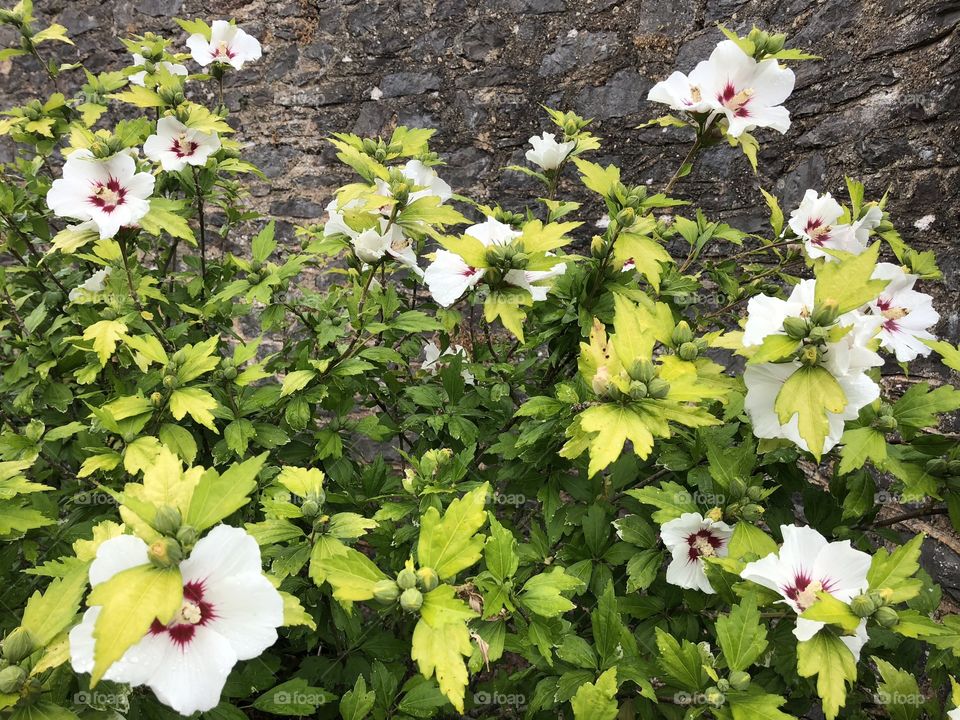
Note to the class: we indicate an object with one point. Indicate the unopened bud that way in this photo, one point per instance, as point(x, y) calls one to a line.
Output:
point(11, 679)
point(427, 578)
point(637, 390)
point(167, 520)
point(796, 327)
point(682, 333)
point(627, 217)
point(825, 313)
point(689, 351)
point(642, 370)
point(386, 591)
point(658, 388)
point(818, 334)
point(713, 696)
point(887, 423)
point(597, 247)
point(407, 579)
point(810, 355)
point(887, 616)
point(165, 553)
point(411, 600)
point(739, 680)
point(751, 512)
point(156, 399)
point(737, 488)
point(863, 605)
point(937, 467)
point(310, 508)
point(187, 536)
point(953, 467)
point(17, 645)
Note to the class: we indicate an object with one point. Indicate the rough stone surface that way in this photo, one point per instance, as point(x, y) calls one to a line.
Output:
point(882, 106)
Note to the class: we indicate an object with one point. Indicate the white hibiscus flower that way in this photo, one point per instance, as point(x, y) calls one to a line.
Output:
point(371, 245)
point(110, 192)
point(227, 44)
point(847, 360)
point(230, 612)
point(814, 222)
point(138, 78)
point(420, 176)
point(808, 564)
point(690, 538)
point(93, 284)
point(747, 92)
point(175, 145)
point(547, 152)
point(907, 314)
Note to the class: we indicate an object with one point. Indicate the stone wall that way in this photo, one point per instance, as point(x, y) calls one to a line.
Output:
point(881, 106)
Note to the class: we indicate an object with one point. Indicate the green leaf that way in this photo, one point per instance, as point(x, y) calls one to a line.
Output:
point(893, 572)
point(352, 576)
point(301, 481)
point(439, 651)
point(130, 601)
point(217, 496)
point(348, 525)
point(356, 704)
point(180, 441)
point(47, 615)
point(776, 214)
point(165, 216)
point(105, 335)
point(860, 445)
point(741, 635)
point(263, 243)
point(919, 406)
point(672, 499)
point(898, 693)
point(597, 701)
point(810, 393)
point(682, 663)
point(749, 541)
point(825, 656)
point(949, 354)
point(542, 594)
point(774, 348)
point(756, 706)
point(441, 606)
point(195, 402)
point(296, 380)
point(500, 551)
point(847, 283)
point(828, 609)
point(450, 544)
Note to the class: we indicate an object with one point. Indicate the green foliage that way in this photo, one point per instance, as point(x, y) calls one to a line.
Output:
point(462, 511)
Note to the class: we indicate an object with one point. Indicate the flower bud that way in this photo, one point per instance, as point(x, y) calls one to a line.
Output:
point(369, 146)
point(937, 467)
point(739, 680)
point(810, 355)
point(310, 508)
point(689, 351)
point(167, 520)
point(386, 591)
point(818, 334)
point(658, 388)
point(427, 578)
point(638, 390)
point(751, 512)
point(953, 467)
point(627, 217)
point(17, 645)
point(863, 605)
point(642, 370)
point(411, 600)
point(165, 553)
point(682, 333)
point(825, 313)
point(796, 327)
point(187, 536)
point(723, 685)
point(887, 616)
point(170, 382)
point(407, 579)
point(597, 247)
point(230, 373)
point(887, 423)
point(775, 43)
point(156, 399)
point(737, 488)
point(713, 696)
point(11, 679)
point(754, 492)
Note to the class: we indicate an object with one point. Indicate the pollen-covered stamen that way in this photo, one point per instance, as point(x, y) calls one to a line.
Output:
point(222, 49)
point(818, 231)
point(695, 94)
point(182, 147)
point(189, 613)
point(804, 590)
point(703, 544)
point(107, 196)
point(195, 611)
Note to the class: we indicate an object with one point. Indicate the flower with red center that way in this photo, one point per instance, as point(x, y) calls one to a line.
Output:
point(814, 222)
point(227, 44)
point(731, 83)
point(690, 538)
point(175, 145)
point(230, 612)
point(907, 314)
point(806, 565)
point(109, 192)
point(449, 276)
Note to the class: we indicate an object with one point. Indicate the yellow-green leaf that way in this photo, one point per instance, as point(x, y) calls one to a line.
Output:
point(105, 335)
point(196, 402)
point(439, 651)
point(450, 544)
point(810, 393)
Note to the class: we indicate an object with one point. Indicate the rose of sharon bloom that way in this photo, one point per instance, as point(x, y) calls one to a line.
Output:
point(547, 152)
point(230, 612)
point(814, 222)
point(431, 359)
point(175, 145)
point(423, 177)
point(847, 360)
point(110, 192)
point(747, 92)
point(808, 564)
point(138, 78)
point(690, 538)
point(93, 284)
point(227, 44)
point(449, 276)
point(371, 245)
point(907, 314)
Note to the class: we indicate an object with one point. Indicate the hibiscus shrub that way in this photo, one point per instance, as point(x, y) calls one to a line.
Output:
point(659, 477)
